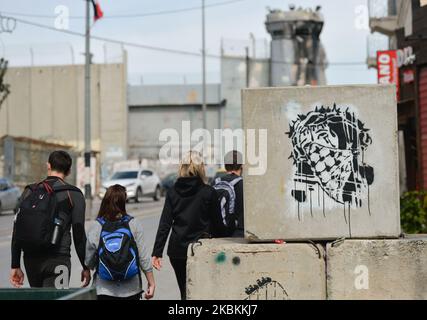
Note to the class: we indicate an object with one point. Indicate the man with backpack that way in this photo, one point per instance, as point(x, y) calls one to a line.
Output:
point(230, 192)
point(44, 217)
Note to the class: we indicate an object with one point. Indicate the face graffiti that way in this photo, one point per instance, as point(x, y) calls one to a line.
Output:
point(328, 147)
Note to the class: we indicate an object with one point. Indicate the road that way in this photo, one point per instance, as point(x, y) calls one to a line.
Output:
point(148, 212)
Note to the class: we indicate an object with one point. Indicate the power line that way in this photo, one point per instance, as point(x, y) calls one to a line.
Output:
point(125, 43)
point(130, 15)
point(166, 50)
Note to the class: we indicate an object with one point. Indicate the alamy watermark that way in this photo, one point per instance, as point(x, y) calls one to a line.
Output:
point(361, 17)
point(361, 281)
point(62, 281)
point(62, 17)
point(251, 143)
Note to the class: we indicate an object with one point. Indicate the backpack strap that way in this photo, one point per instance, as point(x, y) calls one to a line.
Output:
point(66, 187)
point(31, 187)
point(235, 181)
point(101, 221)
point(127, 218)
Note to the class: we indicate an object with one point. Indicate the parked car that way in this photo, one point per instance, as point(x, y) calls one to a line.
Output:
point(168, 182)
point(138, 183)
point(9, 195)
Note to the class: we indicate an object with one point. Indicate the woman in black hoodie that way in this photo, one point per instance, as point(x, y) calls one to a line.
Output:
point(192, 211)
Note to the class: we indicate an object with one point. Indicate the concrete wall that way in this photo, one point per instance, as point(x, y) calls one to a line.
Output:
point(173, 94)
point(234, 78)
point(330, 172)
point(23, 160)
point(377, 269)
point(146, 123)
point(231, 268)
point(47, 103)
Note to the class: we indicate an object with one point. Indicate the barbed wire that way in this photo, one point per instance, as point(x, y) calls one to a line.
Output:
point(7, 24)
point(131, 15)
point(169, 50)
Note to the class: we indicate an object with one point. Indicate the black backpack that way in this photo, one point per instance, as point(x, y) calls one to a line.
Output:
point(227, 199)
point(36, 214)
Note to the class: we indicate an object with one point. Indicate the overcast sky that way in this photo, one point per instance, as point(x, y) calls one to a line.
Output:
point(344, 35)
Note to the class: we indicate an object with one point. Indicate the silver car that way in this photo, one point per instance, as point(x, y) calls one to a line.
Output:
point(9, 195)
point(139, 183)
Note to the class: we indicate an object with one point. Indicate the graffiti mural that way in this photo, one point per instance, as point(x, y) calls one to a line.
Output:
point(328, 149)
point(266, 289)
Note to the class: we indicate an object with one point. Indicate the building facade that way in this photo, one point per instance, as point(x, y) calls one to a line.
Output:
point(405, 23)
point(46, 103)
point(154, 108)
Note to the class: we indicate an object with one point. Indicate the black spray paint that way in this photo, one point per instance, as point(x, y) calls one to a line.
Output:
point(328, 151)
point(264, 289)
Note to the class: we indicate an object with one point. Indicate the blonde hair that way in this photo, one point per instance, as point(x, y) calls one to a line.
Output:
point(192, 165)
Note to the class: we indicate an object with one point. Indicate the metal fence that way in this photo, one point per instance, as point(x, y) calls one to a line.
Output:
point(63, 53)
point(256, 48)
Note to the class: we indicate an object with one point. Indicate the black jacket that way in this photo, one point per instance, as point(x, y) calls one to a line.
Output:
point(238, 206)
point(75, 221)
point(192, 211)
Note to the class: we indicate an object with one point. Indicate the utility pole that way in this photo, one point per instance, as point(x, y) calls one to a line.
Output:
point(252, 36)
point(204, 108)
point(248, 67)
point(88, 147)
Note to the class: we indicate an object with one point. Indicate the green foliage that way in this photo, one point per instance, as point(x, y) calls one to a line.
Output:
point(413, 212)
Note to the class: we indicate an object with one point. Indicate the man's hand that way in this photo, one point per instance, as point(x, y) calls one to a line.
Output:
point(17, 277)
point(85, 278)
point(157, 263)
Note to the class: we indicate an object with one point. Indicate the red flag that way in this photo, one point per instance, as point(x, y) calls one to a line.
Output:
point(98, 14)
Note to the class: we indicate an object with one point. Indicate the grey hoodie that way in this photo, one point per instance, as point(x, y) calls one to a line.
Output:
point(114, 288)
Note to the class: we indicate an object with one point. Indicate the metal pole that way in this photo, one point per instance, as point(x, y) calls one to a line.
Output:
point(204, 108)
point(72, 53)
point(88, 191)
point(252, 36)
point(248, 66)
point(32, 56)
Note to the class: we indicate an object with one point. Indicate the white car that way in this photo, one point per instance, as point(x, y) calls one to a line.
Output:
point(138, 184)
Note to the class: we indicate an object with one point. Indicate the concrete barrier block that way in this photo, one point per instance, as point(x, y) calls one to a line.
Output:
point(377, 269)
point(234, 269)
point(331, 163)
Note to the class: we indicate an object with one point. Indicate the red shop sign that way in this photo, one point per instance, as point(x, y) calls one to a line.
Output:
point(388, 72)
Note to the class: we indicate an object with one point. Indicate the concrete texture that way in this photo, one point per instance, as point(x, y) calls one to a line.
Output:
point(147, 122)
point(227, 268)
point(378, 269)
point(47, 103)
point(330, 172)
point(172, 94)
point(234, 77)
